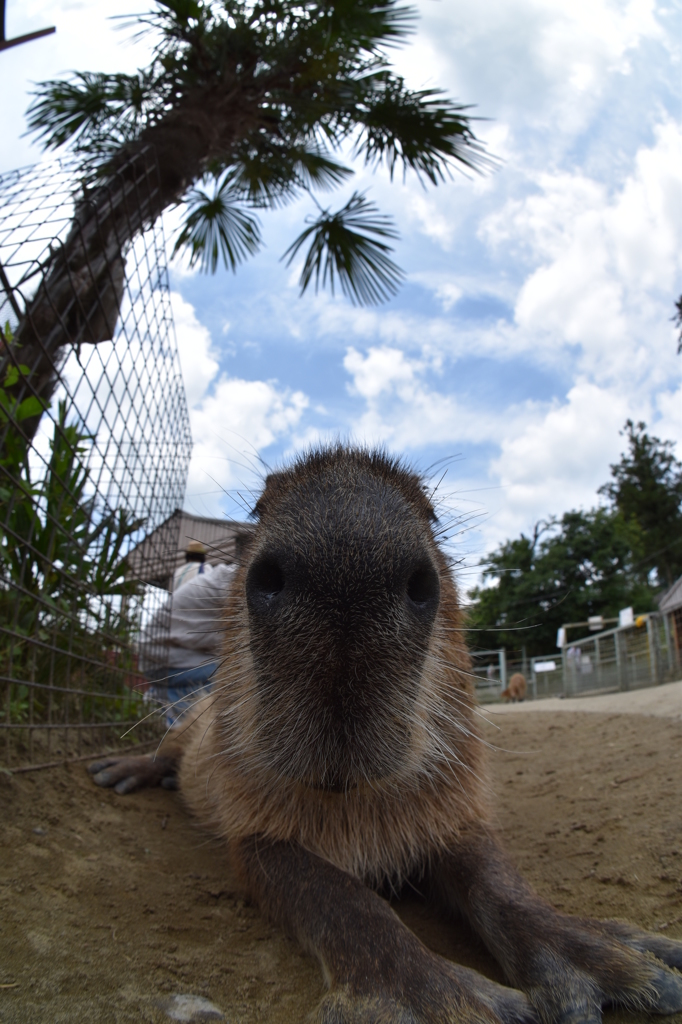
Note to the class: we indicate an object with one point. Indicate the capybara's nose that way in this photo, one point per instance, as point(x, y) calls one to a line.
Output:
point(280, 577)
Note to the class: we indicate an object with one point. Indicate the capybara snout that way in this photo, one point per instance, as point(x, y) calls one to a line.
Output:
point(342, 586)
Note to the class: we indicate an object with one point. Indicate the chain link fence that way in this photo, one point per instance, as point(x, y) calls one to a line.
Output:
point(94, 451)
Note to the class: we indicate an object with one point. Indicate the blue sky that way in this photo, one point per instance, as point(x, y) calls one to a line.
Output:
point(535, 316)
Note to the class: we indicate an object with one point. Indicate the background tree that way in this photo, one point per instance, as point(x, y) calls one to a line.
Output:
point(245, 105)
point(586, 563)
point(647, 490)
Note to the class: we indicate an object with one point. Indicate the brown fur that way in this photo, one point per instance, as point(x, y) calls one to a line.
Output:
point(516, 690)
point(340, 746)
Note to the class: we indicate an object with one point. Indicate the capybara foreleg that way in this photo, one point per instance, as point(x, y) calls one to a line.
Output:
point(125, 774)
point(377, 969)
point(569, 967)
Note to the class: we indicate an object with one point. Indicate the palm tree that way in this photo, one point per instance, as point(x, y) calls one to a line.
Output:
point(245, 105)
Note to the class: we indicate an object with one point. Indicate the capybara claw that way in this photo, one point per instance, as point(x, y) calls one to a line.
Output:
point(128, 785)
point(126, 774)
point(450, 995)
point(98, 766)
point(668, 992)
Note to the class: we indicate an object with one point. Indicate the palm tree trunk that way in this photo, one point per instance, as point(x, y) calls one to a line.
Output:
point(79, 298)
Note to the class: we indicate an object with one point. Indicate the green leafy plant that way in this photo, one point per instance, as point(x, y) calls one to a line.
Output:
point(68, 608)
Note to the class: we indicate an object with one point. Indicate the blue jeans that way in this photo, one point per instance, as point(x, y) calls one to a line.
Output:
point(179, 688)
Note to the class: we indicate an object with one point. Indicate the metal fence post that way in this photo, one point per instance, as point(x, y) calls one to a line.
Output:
point(668, 644)
point(654, 659)
point(622, 660)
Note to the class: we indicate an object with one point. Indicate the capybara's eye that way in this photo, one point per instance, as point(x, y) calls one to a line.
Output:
point(423, 586)
point(265, 579)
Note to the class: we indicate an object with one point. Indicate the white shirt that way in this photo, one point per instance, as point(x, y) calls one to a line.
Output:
point(186, 631)
point(184, 573)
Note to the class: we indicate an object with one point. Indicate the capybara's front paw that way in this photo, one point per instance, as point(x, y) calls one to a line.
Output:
point(601, 964)
point(438, 992)
point(669, 951)
point(126, 774)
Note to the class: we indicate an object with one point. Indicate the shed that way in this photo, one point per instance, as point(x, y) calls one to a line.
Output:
point(155, 559)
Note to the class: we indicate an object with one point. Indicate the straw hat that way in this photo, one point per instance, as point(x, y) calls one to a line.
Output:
point(195, 547)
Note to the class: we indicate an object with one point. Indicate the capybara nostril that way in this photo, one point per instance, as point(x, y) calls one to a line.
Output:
point(264, 582)
point(423, 588)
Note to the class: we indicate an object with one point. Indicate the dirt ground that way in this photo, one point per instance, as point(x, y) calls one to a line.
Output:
point(109, 905)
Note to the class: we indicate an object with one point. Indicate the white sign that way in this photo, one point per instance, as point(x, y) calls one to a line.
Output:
point(595, 623)
point(626, 617)
point(561, 637)
point(545, 666)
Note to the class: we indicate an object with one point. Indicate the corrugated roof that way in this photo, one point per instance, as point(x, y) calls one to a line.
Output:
point(672, 598)
point(157, 557)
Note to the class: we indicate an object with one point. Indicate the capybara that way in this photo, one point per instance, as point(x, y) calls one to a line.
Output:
point(516, 690)
point(340, 751)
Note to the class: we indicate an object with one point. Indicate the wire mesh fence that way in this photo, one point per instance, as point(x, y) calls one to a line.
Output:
point(94, 452)
point(626, 658)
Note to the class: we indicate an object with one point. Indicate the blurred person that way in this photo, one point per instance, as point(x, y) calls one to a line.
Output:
point(195, 564)
point(179, 648)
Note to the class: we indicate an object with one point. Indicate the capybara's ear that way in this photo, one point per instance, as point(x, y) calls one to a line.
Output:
point(274, 485)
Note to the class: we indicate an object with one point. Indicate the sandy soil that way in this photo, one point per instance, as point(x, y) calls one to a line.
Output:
point(660, 701)
point(110, 904)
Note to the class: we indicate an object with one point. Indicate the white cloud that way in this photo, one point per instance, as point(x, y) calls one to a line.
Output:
point(404, 411)
point(382, 369)
point(232, 420)
point(608, 265)
point(87, 39)
point(198, 359)
point(669, 420)
point(538, 60)
point(230, 428)
point(560, 458)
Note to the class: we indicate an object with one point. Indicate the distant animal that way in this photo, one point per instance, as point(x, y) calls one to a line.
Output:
point(516, 689)
point(340, 749)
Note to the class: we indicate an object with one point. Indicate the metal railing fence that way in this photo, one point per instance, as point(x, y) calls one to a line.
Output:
point(646, 653)
point(94, 451)
point(624, 658)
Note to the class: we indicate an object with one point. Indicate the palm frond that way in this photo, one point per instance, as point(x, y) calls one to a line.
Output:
point(420, 129)
point(316, 169)
point(371, 24)
point(340, 248)
point(271, 171)
point(93, 110)
point(218, 226)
